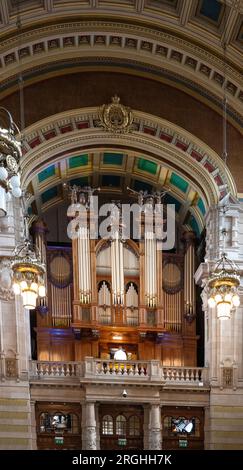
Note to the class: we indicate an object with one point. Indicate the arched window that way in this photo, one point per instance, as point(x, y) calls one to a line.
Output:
point(45, 422)
point(196, 428)
point(107, 425)
point(167, 425)
point(134, 426)
point(120, 425)
point(72, 423)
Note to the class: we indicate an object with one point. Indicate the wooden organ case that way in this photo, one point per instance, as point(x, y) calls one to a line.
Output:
point(80, 317)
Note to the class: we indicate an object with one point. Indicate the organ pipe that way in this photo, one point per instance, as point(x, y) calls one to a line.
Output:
point(150, 270)
point(117, 269)
point(189, 270)
point(84, 268)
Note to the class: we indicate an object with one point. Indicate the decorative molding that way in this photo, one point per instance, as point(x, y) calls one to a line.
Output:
point(187, 60)
point(6, 292)
point(42, 145)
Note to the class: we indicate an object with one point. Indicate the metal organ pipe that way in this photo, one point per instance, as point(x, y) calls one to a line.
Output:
point(84, 273)
point(117, 270)
point(150, 270)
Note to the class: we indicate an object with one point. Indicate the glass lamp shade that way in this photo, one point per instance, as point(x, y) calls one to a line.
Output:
point(23, 285)
point(223, 310)
point(211, 302)
point(218, 298)
point(236, 300)
point(3, 174)
point(42, 291)
point(3, 208)
point(29, 299)
point(16, 288)
point(15, 181)
point(16, 191)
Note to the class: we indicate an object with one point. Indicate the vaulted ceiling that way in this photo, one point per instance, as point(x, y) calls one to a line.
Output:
point(156, 52)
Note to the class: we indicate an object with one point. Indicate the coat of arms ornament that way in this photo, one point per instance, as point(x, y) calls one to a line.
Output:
point(115, 117)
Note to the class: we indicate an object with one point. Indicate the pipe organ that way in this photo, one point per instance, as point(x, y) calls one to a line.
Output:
point(106, 293)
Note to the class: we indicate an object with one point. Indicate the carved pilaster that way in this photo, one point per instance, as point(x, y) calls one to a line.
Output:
point(155, 440)
point(89, 428)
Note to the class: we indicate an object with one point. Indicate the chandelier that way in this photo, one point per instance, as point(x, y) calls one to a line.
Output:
point(223, 287)
point(10, 153)
point(28, 272)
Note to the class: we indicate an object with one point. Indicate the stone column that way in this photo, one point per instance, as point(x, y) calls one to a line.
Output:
point(33, 443)
point(154, 438)
point(89, 427)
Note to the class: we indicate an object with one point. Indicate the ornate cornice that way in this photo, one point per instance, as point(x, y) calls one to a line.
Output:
point(60, 47)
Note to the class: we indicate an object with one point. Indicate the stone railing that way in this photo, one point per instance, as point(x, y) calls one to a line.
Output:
point(108, 370)
point(184, 375)
point(138, 369)
point(46, 369)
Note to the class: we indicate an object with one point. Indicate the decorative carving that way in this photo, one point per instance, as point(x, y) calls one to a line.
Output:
point(6, 292)
point(154, 438)
point(90, 438)
point(115, 117)
point(11, 367)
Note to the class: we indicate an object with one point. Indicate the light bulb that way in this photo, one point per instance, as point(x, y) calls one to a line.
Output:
point(211, 302)
point(15, 181)
point(34, 287)
point(3, 173)
point(16, 192)
point(218, 298)
point(228, 297)
point(42, 291)
point(236, 300)
point(23, 285)
point(16, 288)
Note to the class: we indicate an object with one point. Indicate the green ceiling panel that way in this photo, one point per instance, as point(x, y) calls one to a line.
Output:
point(113, 159)
point(47, 173)
point(49, 194)
point(179, 182)
point(146, 165)
point(79, 160)
point(201, 206)
point(83, 181)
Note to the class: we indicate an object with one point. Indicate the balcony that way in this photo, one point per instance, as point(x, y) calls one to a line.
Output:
point(93, 370)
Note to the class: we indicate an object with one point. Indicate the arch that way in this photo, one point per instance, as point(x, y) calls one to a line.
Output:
point(198, 176)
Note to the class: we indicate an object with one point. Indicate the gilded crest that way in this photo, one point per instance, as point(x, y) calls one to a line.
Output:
point(115, 117)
